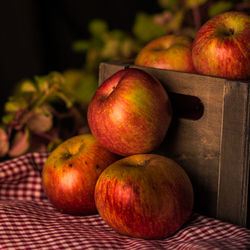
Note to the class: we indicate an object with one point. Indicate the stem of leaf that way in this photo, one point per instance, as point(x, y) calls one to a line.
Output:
point(197, 17)
point(44, 136)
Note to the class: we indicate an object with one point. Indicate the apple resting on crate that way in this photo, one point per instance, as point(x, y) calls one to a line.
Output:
point(222, 46)
point(70, 173)
point(173, 52)
point(145, 195)
point(130, 112)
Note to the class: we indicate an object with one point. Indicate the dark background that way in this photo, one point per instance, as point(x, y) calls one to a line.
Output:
point(37, 35)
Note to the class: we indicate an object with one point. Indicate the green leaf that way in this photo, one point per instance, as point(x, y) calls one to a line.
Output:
point(55, 79)
point(15, 104)
point(129, 48)
point(98, 27)
point(111, 49)
point(49, 82)
point(168, 4)
point(219, 7)
point(86, 89)
point(145, 29)
point(7, 118)
point(175, 23)
point(48, 88)
point(42, 83)
point(72, 78)
point(11, 106)
point(117, 35)
point(81, 46)
point(27, 86)
point(63, 96)
point(194, 3)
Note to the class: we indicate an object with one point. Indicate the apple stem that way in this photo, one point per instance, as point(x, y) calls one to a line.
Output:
point(231, 31)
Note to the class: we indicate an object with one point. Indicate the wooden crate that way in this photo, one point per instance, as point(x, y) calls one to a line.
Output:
point(208, 137)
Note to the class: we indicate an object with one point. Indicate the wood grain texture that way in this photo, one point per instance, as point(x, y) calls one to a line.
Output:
point(234, 161)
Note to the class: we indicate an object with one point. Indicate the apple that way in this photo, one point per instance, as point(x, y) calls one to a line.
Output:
point(130, 112)
point(70, 173)
point(173, 52)
point(145, 195)
point(222, 46)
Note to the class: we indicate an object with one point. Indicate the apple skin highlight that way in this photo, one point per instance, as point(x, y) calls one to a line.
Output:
point(145, 195)
point(172, 52)
point(222, 46)
point(130, 113)
point(70, 173)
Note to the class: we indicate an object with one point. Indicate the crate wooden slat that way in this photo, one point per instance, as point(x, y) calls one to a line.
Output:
point(214, 149)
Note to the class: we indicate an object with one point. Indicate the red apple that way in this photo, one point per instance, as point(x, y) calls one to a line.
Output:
point(172, 52)
point(222, 46)
point(145, 195)
point(70, 173)
point(130, 112)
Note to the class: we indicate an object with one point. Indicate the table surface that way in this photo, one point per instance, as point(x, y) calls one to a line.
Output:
point(29, 221)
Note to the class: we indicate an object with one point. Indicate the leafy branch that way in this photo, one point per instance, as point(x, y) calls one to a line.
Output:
point(31, 121)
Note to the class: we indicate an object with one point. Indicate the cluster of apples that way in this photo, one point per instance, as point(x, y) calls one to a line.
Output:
point(221, 48)
point(113, 169)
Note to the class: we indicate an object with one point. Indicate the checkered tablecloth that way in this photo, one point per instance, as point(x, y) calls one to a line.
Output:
point(29, 221)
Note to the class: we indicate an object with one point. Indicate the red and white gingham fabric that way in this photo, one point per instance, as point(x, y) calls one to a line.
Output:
point(29, 221)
